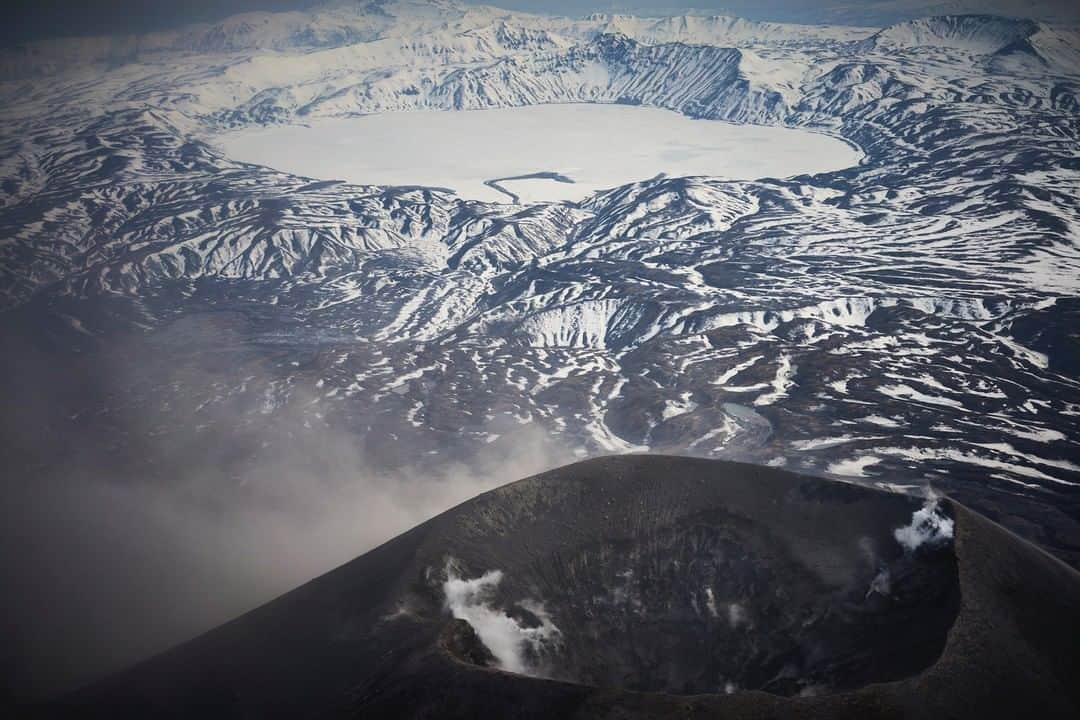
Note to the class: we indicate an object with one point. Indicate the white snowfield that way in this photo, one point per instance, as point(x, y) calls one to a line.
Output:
point(594, 146)
point(775, 292)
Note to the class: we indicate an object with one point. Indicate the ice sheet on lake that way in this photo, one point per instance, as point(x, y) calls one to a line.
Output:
point(596, 146)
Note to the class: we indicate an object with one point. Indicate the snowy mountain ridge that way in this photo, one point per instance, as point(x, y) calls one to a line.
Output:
point(335, 25)
point(981, 34)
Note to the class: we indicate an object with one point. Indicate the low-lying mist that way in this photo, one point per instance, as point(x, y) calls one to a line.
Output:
point(135, 516)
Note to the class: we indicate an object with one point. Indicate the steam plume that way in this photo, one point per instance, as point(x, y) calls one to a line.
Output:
point(515, 647)
point(928, 526)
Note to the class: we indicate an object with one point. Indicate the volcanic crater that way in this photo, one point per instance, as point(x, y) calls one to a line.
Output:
point(645, 587)
point(725, 594)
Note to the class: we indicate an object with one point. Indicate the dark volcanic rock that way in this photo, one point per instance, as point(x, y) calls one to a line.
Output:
point(460, 640)
point(678, 587)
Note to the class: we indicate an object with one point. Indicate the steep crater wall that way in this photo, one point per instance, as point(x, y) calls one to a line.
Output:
point(818, 593)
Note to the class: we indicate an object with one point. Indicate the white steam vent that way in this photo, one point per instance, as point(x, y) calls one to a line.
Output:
point(929, 525)
point(515, 647)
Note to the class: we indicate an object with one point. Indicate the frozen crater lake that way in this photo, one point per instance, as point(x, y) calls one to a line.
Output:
point(534, 154)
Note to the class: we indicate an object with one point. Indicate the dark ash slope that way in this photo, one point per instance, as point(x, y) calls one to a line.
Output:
point(671, 580)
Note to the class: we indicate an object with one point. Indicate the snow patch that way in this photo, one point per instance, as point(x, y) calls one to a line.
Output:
point(852, 467)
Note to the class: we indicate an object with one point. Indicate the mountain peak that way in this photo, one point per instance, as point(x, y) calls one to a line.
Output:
point(981, 34)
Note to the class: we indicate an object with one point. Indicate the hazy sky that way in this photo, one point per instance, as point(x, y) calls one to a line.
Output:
point(31, 19)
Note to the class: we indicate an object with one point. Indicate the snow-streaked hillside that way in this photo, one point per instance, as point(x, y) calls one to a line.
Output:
point(905, 320)
point(979, 34)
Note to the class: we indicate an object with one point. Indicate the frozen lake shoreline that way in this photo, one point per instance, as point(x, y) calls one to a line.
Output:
point(537, 153)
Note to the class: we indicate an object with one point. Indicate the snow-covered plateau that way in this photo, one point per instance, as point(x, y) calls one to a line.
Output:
point(871, 271)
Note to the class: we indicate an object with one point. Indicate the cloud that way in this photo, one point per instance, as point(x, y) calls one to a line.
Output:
point(137, 514)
